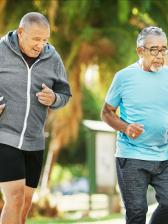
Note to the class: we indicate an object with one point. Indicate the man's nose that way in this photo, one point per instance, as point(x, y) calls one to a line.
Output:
point(40, 44)
point(160, 55)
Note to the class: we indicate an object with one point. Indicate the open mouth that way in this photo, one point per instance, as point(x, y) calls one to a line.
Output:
point(37, 51)
point(158, 64)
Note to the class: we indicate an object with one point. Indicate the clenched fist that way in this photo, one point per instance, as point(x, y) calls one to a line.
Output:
point(134, 130)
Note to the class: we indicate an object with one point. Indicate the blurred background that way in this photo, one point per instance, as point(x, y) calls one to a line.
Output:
point(95, 38)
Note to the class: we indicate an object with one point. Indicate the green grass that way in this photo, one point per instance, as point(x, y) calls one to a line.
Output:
point(70, 221)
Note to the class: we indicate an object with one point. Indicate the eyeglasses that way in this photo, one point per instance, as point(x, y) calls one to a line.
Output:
point(155, 51)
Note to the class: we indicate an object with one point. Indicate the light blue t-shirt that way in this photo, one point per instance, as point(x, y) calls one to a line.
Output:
point(142, 98)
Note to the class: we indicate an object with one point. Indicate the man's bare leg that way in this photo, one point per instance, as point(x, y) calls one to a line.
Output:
point(27, 202)
point(13, 194)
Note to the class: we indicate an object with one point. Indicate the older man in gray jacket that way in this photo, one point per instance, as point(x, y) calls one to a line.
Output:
point(32, 79)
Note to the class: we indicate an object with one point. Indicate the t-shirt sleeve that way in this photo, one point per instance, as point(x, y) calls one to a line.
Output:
point(113, 96)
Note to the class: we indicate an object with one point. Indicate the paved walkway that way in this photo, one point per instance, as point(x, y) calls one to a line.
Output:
point(115, 221)
point(122, 220)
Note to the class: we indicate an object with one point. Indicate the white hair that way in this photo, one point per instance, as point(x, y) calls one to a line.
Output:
point(33, 17)
point(151, 30)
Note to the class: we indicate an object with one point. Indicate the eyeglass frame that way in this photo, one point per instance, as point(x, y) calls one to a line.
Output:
point(153, 48)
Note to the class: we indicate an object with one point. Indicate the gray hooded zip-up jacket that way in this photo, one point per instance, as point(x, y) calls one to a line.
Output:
point(22, 121)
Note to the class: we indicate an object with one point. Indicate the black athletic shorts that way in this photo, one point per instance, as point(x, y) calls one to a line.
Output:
point(16, 164)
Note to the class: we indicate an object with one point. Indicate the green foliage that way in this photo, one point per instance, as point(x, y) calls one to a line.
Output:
point(14, 10)
point(123, 10)
point(61, 174)
point(75, 152)
point(91, 108)
point(86, 19)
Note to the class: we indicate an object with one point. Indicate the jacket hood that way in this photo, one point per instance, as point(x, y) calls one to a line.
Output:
point(11, 40)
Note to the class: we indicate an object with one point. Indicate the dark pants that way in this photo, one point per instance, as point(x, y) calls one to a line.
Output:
point(134, 176)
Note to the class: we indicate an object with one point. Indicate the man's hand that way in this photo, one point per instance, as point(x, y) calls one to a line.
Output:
point(2, 108)
point(46, 96)
point(2, 104)
point(134, 130)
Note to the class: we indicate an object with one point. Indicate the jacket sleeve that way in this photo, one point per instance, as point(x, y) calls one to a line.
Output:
point(61, 100)
point(61, 86)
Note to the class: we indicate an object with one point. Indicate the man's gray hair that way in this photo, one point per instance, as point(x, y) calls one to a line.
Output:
point(33, 17)
point(151, 30)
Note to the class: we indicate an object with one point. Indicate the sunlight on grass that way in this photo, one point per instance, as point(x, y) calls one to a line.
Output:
point(41, 220)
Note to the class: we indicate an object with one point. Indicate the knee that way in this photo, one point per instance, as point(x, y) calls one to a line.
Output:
point(163, 207)
point(137, 211)
point(16, 199)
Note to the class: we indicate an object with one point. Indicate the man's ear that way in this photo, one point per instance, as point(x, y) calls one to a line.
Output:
point(139, 51)
point(19, 32)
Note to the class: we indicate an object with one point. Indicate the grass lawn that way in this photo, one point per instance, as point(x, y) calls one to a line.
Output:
point(41, 220)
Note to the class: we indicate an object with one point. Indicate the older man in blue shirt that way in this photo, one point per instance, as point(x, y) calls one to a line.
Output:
point(140, 92)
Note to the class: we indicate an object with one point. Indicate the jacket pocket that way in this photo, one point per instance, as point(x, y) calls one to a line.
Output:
point(122, 162)
point(36, 121)
point(12, 118)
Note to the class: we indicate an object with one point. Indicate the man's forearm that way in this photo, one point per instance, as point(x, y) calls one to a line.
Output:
point(111, 118)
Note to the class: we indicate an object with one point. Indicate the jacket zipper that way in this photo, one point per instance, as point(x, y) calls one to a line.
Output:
point(28, 103)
